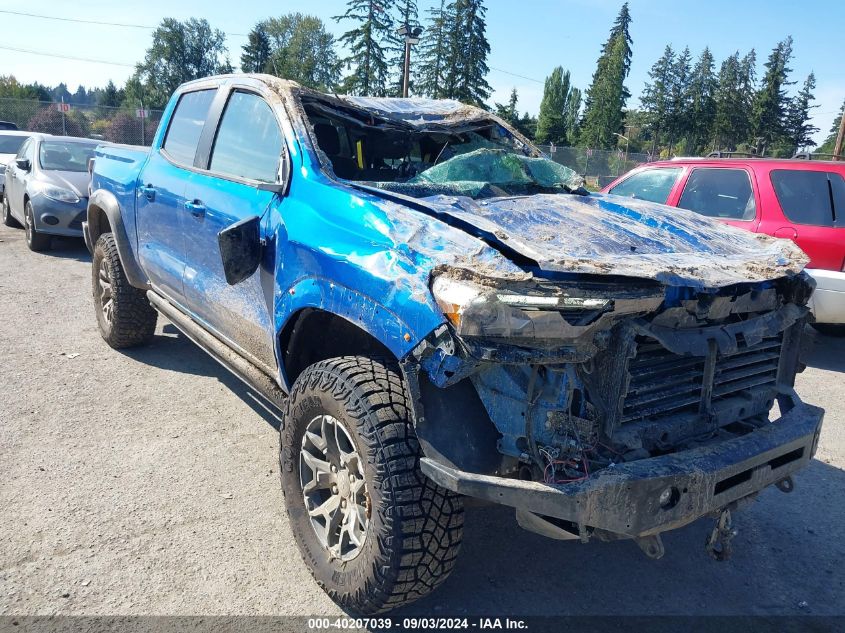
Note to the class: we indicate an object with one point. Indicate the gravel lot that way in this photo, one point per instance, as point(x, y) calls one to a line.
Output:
point(147, 483)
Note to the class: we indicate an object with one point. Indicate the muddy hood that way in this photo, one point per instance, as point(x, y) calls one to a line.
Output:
point(611, 235)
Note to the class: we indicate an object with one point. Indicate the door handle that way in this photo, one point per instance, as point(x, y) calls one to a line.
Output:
point(196, 207)
point(149, 191)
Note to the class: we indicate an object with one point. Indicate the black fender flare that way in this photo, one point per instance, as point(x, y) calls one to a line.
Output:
point(104, 215)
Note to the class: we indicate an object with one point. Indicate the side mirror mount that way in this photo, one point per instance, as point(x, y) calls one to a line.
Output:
point(240, 249)
point(23, 163)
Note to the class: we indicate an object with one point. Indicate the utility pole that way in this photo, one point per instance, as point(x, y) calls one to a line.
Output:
point(837, 150)
point(412, 36)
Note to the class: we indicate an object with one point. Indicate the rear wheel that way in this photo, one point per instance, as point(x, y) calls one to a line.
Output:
point(373, 530)
point(830, 329)
point(124, 315)
point(8, 220)
point(36, 241)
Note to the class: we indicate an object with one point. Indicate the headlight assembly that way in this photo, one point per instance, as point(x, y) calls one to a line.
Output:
point(59, 194)
point(479, 311)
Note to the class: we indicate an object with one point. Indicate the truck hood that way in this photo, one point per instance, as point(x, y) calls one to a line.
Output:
point(610, 235)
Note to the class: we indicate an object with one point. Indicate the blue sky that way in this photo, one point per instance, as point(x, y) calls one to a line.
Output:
point(528, 37)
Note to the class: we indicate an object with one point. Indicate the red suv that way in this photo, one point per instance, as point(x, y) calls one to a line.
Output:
point(801, 200)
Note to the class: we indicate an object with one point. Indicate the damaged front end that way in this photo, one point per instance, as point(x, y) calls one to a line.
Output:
point(605, 407)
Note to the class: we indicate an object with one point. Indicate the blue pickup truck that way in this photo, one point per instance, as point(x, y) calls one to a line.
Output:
point(438, 312)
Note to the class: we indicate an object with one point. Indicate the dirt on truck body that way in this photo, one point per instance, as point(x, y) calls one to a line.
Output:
point(441, 311)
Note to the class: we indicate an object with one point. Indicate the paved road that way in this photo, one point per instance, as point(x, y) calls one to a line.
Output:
point(146, 482)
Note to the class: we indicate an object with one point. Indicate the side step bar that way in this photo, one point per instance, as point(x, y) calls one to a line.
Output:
point(247, 372)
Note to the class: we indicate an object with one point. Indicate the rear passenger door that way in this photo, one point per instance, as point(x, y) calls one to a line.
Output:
point(244, 152)
point(813, 214)
point(727, 194)
point(161, 194)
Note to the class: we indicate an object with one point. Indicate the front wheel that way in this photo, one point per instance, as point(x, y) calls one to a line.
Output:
point(124, 315)
point(37, 242)
point(373, 530)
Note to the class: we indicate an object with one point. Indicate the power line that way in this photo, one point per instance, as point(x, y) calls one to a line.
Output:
point(97, 22)
point(507, 72)
point(71, 57)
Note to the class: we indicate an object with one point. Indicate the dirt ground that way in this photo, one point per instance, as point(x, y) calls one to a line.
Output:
point(146, 482)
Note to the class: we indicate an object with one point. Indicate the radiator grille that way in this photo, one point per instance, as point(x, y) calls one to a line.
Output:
point(662, 383)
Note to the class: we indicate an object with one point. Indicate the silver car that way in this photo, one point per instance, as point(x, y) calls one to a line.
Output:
point(47, 188)
point(10, 143)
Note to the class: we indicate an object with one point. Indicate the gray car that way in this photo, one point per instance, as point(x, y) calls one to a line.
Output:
point(47, 188)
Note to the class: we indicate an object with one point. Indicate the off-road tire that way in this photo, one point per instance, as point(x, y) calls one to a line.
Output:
point(415, 526)
point(8, 218)
point(133, 319)
point(37, 242)
point(830, 329)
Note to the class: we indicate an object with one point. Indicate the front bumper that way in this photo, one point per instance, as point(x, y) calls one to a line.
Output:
point(59, 218)
point(828, 299)
point(624, 499)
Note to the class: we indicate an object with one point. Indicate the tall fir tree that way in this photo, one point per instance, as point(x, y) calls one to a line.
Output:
point(607, 94)
point(558, 109)
point(702, 102)
point(256, 52)
point(768, 124)
point(406, 14)
point(302, 50)
point(830, 142)
point(656, 99)
point(799, 129)
point(431, 80)
point(466, 56)
point(679, 121)
point(366, 42)
point(731, 122)
point(509, 111)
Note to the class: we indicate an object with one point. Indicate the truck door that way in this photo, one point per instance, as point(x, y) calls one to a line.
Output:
point(245, 151)
point(161, 194)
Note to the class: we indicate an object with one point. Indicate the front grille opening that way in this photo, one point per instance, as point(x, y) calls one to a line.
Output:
point(733, 482)
point(786, 458)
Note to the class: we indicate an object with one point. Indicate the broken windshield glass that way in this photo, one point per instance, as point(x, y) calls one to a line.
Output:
point(463, 151)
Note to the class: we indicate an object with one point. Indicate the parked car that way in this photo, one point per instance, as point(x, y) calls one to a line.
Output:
point(7, 125)
point(802, 200)
point(47, 188)
point(10, 143)
point(439, 311)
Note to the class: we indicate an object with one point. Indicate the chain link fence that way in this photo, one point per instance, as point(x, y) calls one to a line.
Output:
point(598, 166)
point(117, 125)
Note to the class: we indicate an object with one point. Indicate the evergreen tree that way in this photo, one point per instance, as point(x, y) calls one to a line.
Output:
point(256, 52)
point(702, 101)
point(571, 114)
point(679, 117)
point(731, 123)
point(301, 49)
point(799, 130)
point(830, 142)
point(558, 109)
point(110, 96)
point(466, 55)
point(433, 52)
point(656, 99)
point(406, 14)
point(366, 43)
point(771, 102)
point(508, 111)
point(606, 97)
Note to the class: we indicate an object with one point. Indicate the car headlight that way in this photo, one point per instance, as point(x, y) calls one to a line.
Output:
point(536, 313)
point(59, 194)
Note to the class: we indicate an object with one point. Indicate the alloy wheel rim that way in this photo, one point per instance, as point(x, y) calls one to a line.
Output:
point(331, 474)
point(104, 287)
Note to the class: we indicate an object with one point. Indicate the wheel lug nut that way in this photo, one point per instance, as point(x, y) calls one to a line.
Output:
point(343, 503)
point(334, 489)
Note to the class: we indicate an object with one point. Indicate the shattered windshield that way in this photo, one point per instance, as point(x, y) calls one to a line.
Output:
point(431, 154)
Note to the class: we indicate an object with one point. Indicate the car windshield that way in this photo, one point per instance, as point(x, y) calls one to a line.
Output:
point(65, 155)
point(10, 144)
point(424, 153)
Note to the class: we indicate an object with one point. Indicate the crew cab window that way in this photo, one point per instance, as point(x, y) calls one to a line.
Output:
point(653, 185)
point(720, 193)
point(249, 142)
point(183, 135)
point(810, 197)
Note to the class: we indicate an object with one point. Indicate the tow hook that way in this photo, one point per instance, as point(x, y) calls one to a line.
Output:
point(785, 485)
point(651, 545)
point(718, 544)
